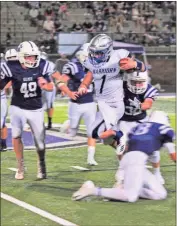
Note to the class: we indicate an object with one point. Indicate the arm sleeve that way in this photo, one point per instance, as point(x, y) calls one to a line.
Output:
point(151, 92)
point(48, 70)
point(170, 147)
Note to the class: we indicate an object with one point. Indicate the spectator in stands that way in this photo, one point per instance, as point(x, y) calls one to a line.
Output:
point(49, 12)
point(63, 11)
point(8, 37)
point(40, 21)
point(33, 13)
point(77, 27)
point(48, 25)
point(58, 26)
point(100, 25)
point(135, 16)
point(88, 25)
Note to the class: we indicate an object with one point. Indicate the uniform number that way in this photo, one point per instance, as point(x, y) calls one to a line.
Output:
point(29, 89)
point(143, 129)
point(129, 110)
point(102, 84)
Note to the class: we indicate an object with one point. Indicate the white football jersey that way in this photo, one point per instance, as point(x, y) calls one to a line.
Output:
point(107, 78)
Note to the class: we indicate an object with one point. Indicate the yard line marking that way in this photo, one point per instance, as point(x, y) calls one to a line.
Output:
point(79, 168)
point(13, 169)
point(148, 167)
point(36, 210)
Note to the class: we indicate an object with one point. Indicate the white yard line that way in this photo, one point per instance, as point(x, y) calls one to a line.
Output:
point(13, 169)
point(80, 168)
point(36, 210)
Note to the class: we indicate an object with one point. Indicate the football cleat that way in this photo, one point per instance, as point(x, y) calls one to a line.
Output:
point(92, 162)
point(41, 174)
point(87, 189)
point(121, 145)
point(3, 147)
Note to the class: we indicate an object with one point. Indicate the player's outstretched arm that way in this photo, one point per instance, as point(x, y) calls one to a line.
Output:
point(85, 83)
point(45, 85)
point(147, 104)
point(171, 149)
point(62, 85)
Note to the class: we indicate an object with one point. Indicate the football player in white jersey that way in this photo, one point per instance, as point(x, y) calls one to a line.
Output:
point(145, 138)
point(29, 75)
point(105, 65)
point(48, 97)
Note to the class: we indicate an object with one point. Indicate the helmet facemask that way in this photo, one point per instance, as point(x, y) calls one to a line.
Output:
point(137, 82)
point(100, 49)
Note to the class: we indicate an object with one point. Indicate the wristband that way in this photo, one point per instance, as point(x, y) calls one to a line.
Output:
point(139, 65)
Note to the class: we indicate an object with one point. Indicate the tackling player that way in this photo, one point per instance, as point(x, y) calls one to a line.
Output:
point(139, 182)
point(29, 74)
point(79, 106)
point(139, 97)
point(104, 69)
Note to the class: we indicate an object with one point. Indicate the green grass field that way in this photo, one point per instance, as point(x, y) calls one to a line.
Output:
point(54, 194)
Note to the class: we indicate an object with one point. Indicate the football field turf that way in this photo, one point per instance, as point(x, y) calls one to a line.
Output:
point(54, 194)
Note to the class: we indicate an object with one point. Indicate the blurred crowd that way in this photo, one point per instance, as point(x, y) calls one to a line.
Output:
point(136, 22)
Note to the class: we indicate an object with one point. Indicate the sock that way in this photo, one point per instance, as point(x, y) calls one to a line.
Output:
point(156, 170)
point(41, 155)
point(49, 120)
point(118, 135)
point(91, 152)
point(111, 193)
point(3, 142)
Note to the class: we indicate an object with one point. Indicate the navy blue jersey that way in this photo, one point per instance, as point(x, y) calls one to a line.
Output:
point(26, 92)
point(149, 137)
point(133, 102)
point(76, 72)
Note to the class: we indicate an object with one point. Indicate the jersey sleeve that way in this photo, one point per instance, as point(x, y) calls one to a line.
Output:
point(48, 69)
point(70, 69)
point(167, 133)
point(5, 75)
point(151, 92)
point(123, 53)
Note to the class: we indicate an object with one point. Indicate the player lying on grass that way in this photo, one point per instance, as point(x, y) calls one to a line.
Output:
point(138, 98)
point(104, 69)
point(29, 75)
point(139, 182)
point(80, 106)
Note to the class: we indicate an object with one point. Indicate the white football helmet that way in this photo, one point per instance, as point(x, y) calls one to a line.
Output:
point(159, 117)
point(100, 49)
point(11, 55)
point(27, 49)
point(44, 55)
point(137, 82)
point(82, 54)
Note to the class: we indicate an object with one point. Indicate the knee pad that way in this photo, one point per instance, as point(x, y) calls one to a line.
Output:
point(133, 198)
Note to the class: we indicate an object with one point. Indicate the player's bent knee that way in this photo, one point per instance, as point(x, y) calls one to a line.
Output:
point(133, 198)
point(163, 194)
point(72, 132)
point(16, 133)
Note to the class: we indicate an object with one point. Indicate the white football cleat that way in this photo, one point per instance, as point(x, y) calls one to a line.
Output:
point(87, 189)
point(160, 178)
point(65, 127)
point(121, 146)
point(92, 162)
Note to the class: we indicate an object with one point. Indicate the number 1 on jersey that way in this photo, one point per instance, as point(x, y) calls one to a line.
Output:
point(102, 84)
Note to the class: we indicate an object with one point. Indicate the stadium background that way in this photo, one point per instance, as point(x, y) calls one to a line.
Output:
point(150, 24)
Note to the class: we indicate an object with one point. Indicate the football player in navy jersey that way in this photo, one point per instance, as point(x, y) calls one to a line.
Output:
point(139, 182)
point(139, 97)
point(10, 55)
point(29, 75)
point(79, 106)
point(48, 97)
